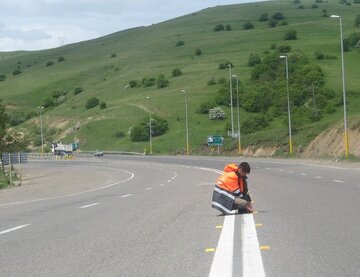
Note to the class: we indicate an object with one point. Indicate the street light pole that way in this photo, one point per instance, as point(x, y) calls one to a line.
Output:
point(346, 132)
point(150, 129)
point(231, 104)
point(238, 112)
point(288, 100)
point(41, 131)
point(186, 123)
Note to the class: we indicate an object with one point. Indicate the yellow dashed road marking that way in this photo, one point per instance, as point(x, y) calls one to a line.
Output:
point(264, 247)
point(210, 250)
point(218, 226)
point(258, 225)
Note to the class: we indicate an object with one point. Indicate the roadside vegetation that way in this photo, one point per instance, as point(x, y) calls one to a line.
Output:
point(95, 92)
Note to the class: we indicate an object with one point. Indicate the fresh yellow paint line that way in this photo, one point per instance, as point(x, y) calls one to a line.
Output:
point(264, 247)
point(218, 226)
point(210, 250)
point(258, 225)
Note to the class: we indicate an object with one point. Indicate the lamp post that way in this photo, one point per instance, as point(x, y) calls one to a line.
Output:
point(238, 112)
point(231, 104)
point(41, 131)
point(288, 102)
point(346, 136)
point(150, 129)
point(186, 123)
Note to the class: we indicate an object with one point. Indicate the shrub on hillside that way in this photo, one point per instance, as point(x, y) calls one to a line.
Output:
point(2, 77)
point(357, 20)
point(176, 72)
point(290, 35)
point(61, 59)
point(78, 90)
point(217, 113)
point(227, 27)
point(254, 123)
point(133, 83)
point(248, 26)
point(159, 126)
point(225, 65)
point(16, 72)
point(149, 82)
point(161, 81)
point(283, 23)
point(91, 103)
point(205, 107)
point(180, 43)
point(219, 27)
point(284, 48)
point(113, 55)
point(48, 102)
point(278, 16)
point(49, 63)
point(254, 59)
point(264, 17)
point(198, 52)
point(102, 105)
point(272, 23)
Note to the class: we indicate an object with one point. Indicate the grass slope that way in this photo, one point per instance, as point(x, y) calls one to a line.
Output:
point(150, 51)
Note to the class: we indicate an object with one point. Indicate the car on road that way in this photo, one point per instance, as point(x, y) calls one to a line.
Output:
point(98, 154)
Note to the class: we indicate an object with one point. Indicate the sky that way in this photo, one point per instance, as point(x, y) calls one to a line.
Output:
point(44, 24)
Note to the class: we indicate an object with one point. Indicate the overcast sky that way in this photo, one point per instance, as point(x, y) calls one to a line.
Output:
point(43, 24)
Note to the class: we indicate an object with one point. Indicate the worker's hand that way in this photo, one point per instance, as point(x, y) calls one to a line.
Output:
point(249, 208)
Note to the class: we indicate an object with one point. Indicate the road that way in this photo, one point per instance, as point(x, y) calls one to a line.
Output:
point(151, 216)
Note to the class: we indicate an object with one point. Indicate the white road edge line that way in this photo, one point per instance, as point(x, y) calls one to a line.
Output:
point(222, 264)
point(126, 195)
point(252, 260)
point(13, 229)
point(87, 206)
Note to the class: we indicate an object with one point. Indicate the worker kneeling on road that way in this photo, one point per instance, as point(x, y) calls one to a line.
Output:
point(231, 190)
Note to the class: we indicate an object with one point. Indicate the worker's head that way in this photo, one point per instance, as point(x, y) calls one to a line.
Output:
point(244, 168)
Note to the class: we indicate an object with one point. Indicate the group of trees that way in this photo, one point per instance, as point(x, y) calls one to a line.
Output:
point(141, 132)
point(8, 142)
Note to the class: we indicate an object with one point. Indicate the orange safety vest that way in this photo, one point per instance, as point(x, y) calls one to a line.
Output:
point(230, 181)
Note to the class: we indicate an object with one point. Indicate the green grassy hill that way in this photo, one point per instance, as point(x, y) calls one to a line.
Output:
point(104, 66)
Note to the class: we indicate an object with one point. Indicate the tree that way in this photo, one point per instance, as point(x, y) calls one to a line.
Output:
point(217, 113)
point(357, 21)
point(180, 43)
point(198, 52)
point(278, 16)
point(2, 77)
point(78, 90)
point(176, 72)
point(264, 17)
point(254, 59)
point(219, 27)
point(248, 26)
point(91, 103)
point(227, 27)
point(290, 35)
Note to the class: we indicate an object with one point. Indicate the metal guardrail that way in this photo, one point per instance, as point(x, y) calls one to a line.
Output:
point(36, 154)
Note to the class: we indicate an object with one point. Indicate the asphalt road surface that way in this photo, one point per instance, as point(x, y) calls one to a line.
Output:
point(152, 216)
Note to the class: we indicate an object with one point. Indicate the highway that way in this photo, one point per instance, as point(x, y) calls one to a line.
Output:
point(152, 216)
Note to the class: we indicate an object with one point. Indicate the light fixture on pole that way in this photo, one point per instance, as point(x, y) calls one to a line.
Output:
point(41, 131)
point(346, 132)
point(288, 101)
point(150, 129)
point(186, 123)
point(231, 103)
point(238, 112)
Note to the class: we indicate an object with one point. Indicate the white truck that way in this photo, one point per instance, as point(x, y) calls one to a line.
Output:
point(60, 149)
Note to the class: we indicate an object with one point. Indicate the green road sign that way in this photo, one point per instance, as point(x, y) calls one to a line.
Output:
point(215, 140)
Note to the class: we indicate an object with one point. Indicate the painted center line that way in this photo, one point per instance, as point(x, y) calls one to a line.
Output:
point(318, 177)
point(222, 264)
point(338, 181)
point(126, 195)
point(148, 188)
point(87, 206)
point(303, 174)
point(13, 229)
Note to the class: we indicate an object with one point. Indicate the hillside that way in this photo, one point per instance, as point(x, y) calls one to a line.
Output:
point(103, 68)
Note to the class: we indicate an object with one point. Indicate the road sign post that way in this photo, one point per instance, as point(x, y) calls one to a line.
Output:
point(215, 140)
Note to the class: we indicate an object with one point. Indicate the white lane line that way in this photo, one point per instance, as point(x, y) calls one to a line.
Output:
point(168, 181)
point(222, 264)
point(252, 260)
point(161, 185)
point(318, 177)
point(13, 229)
point(291, 172)
point(338, 181)
point(87, 206)
point(126, 195)
point(303, 174)
point(148, 189)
